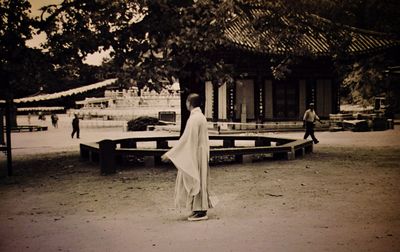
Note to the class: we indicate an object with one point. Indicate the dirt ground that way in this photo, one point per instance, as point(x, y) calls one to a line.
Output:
point(343, 197)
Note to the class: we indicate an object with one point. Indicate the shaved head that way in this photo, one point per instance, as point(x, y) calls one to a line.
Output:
point(194, 100)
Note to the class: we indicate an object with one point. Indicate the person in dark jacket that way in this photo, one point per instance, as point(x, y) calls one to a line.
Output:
point(54, 120)
point(75, 127)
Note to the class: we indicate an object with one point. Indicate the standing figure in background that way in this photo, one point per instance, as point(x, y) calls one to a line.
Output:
point(75, 127)
point(191, 156)
point(42, 116)
point(54, 120)
point(29, 118)
point(309, 119)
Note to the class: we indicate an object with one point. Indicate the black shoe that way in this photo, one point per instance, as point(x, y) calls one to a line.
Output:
point(315, 142)
point(192, 214)
point(198, 217)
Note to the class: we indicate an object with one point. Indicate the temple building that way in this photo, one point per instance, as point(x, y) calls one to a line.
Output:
point(256, 96)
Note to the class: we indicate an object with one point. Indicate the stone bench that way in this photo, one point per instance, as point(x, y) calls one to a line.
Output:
point(110, 152)
point(29, 128)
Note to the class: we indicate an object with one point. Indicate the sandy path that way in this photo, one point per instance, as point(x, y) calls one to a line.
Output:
point(343, 197)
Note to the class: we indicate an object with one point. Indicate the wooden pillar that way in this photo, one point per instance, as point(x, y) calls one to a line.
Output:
point(84, 153)
point(9, 105)
point(311, 92)
point(127, 143)
point(290, 155)
point(161, 144)
point(107, 157)
point(215, 101)
point(335, 95)
point(309, 148)
point(231, 101)
point(268, 100)
point(259, 99)
point(13, 114)
point(262, 142)
point(228, 143)
point(2, 141)
point(303, 106)
point(209, 100)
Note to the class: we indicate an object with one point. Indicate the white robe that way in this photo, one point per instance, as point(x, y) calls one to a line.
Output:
point(190, 156)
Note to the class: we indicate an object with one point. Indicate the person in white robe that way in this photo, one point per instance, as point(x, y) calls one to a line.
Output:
point(191, 157)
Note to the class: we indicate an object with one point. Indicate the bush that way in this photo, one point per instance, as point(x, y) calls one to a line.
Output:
point(141, 123)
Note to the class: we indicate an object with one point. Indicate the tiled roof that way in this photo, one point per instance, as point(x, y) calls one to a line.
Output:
point(74, 91)
point(393, 70)
point(40, 108)
point(243, 35)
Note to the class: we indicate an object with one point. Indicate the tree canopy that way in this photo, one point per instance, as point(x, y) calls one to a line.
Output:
point(25, 71)
point(375, 15)
point(153, 40)
point(15, 29)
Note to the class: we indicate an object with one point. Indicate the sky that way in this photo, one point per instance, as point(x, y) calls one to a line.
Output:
point(92, 59)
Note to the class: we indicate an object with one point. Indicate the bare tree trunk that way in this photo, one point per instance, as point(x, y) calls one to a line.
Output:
point(190, 84)
point(2, 142)
point(8, 137)
point(13, 115)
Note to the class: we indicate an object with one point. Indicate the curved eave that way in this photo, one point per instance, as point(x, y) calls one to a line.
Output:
point(242, 35)
point(66, 93)
point(359, 48)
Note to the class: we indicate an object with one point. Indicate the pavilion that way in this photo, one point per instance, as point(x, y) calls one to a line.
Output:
point(256, 96)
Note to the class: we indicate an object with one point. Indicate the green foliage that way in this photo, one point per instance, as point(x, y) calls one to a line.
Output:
point(15, 29)
point(376, 15)
point(365, 80)
point(23, 70)
point(151, 40)
point(362, 77)
point(141, 123)
point(155, 40)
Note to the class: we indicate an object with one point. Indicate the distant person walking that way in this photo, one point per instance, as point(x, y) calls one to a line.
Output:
point(29, 118)
point(54, 120)
point(75, 127)
point(309, 119)
point(42, 116)
point(190, 156)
